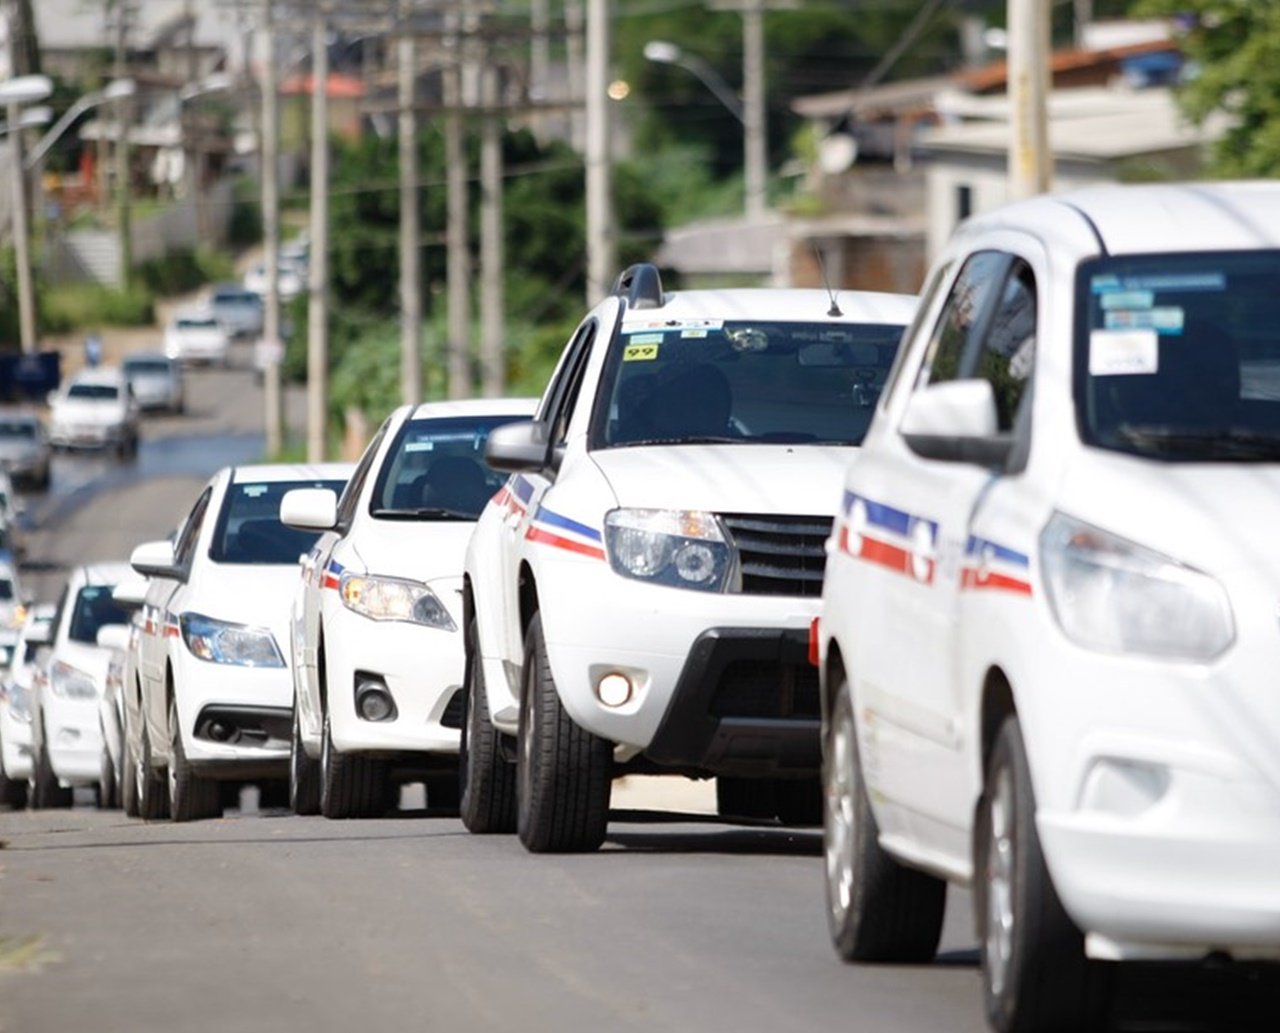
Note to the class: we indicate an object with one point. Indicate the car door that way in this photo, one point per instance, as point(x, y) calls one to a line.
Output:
point(909, 520)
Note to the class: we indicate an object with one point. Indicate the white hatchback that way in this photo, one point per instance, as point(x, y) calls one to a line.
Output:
point(378, 657)
point(1048, 640)
point(212, 658)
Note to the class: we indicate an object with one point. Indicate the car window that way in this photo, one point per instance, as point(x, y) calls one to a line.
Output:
point(94, 608)
point(351, 494)
point(147, 366)
point(197, 324)
point(963, 317)
point(562, 393)
point(184, 548)
point(435, 470)
point(1008, 349)
point(927, 298)
point(97, 392)
point(756, 381)
point(249, 530)
point(22, 429)
point(6, 590)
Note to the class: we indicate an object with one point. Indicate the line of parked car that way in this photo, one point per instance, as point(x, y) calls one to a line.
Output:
point(981, 582)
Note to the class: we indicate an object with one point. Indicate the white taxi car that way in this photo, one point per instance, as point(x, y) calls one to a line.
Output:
point(1048, 637)
point(66, 737)
point(216, 691)
point(15, 707)
point(95, 409)
point(638, 597)
point(377, 645)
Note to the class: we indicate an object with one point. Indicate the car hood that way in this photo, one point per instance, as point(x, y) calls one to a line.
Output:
point(256, 595)
point(425, 550)
point(774, 479)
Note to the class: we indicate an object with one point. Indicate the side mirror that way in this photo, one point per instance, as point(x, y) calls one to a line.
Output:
point(132, 591)
point(309, 509)
point(956, 422)
point(40, 634)
point(155, 559)
point(114, 636)
point(516, 447)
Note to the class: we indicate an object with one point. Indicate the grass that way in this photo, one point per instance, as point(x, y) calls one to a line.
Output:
point(77, 306)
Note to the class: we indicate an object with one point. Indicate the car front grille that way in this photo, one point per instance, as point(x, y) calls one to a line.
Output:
point(780, 555)
point(751, 689)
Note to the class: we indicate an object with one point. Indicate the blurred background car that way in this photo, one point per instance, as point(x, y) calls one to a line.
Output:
point(95, 409)
point(239, 310)
point(156, 380)
point(24, 449)
point(290, 279)
point(13, 611)
point(15, 707)
point(197, 337)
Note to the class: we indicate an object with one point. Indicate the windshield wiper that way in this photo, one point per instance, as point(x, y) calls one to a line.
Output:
point(422, 513)
point(1218, 443)
point(706, 439)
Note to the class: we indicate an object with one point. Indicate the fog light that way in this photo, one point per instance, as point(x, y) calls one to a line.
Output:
point(374, 702)
point(614, 689)
point(220, 732)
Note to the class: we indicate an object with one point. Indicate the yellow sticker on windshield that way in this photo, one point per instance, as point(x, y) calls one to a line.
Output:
point(640, 352)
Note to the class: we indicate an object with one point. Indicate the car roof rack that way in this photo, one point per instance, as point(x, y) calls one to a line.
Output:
point(641, 285)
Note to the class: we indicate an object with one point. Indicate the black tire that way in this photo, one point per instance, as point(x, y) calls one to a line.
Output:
point(798, 801)
point(191, 798)
point(13, 791)
point(128, 778)
point(877, 909)
point(108, 784)
point(351, 785)
point(753, 798)
point(564, 774)
point(487, 779)
point(1035, 976)
point(45, 791)
point(153, 795)
point(304, 773)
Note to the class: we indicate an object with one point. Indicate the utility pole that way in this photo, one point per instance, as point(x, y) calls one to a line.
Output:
point(753, 110)
point(492, 301)
point(458, 261)
point(539, 58)
point(270, 155)
point(410, 219)
point(21, 231)
point(318, 269)
point(1030, 160)
point(123, 111)
point(573, 47)
point(601, 260)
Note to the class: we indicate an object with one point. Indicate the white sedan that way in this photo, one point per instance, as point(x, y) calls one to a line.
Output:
point(15, 707)
point(197, 337)
point(95, 409)
point(378, 654)
point(212, 657)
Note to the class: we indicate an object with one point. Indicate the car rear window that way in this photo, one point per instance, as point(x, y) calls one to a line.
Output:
point(162, 366)
point(249, 528)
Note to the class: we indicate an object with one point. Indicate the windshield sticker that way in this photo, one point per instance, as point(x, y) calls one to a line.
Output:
point(1109, 284)
point(643, 352)
point(1166, 320)
point(419, 446)
point(1118, 353)
point(693, 333)
point(1128, 299)
point(253, 491)
point(672, 324)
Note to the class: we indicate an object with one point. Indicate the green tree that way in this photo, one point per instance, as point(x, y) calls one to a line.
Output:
point(1234, 47)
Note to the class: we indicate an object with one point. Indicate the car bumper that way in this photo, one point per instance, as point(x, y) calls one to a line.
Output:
point(421, 668)
point(74, 739)
point(233, 718)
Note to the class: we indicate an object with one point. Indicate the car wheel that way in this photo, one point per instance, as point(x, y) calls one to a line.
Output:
point(13, 792)
point(564, 774)
point(877, 909)
point(488, 779)
point(153, 799)
point(128, 778)
point(45, 790)
point(304, 773)
point(191, 797)
point(108, 786)
point(351, 784)
point(1035, 975)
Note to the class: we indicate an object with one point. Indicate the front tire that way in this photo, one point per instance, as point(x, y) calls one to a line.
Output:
point(351, 784)
point(877, 909)
point(564, 774)
point(46, 792)
point(153, 800)
point(13, 791)
point(191, 798)
point(1035, 976)
point(304, 773)
point(108, 783)
point(488, 801)
point(128, 778)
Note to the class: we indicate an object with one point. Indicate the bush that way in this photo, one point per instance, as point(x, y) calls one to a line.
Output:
point(183, 271)
point(245, 226)
point(83, 306)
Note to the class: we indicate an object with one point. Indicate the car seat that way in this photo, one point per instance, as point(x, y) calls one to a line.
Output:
point(454, 482)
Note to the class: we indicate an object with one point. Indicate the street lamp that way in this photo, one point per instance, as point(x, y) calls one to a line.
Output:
point(25, 89)
point(114, 90)
point(751, 118)
point(215, 82)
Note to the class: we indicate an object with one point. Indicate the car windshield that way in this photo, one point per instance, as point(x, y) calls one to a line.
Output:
point(197, 324)
point(235, 298)
point(22, 429)
point(1178, 356)
point(147, 366)
point(712, 381)
point(6, 590)
point(249, 528)
point(435, 470)
point(94, 608)
point(97, 392)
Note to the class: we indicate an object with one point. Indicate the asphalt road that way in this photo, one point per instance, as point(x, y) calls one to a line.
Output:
point(263, 921)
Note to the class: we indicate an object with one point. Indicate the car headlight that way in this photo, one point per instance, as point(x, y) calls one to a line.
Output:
point(222, 642)
point(681, 548)
point(1112, 595)
point(71, 682)
point(19, 703)
point(394, 599)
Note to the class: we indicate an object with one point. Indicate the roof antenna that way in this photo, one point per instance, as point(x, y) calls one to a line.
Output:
point(834, 310)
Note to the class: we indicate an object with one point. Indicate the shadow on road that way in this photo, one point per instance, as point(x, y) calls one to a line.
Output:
point(737, 839)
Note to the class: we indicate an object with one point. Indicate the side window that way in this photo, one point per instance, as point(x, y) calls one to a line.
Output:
point(554, 394)
point(185, 548)
point(351, 494)
point(927, 298)
point(963, 316)
point(561, 410)
point(1008, 352)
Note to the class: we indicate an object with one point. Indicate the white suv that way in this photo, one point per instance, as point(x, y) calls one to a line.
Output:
point(1048, 641)
point(638, 597)
point(377, 653)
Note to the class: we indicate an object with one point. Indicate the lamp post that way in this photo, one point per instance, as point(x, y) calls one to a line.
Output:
point(194, 172)
point(25, 89)
point(751, 116)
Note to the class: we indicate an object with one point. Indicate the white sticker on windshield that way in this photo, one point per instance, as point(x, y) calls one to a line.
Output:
point(1168, 319)
point(1128, 299)
point(254, 490)
point(419, 446)
point(1118, 353)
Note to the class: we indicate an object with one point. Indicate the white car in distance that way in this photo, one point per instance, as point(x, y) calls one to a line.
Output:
point(95, 409)
point(378, 656)
point(66, 732)
point(197, 337)
point(216, 690)
point(156, 381)
point(15, 706)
